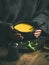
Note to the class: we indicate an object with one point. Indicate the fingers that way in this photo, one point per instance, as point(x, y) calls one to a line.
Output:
point(37, 33)
point(19, 35)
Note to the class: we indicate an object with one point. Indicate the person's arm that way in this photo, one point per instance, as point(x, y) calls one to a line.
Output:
point(42, 15)
point(43, 22)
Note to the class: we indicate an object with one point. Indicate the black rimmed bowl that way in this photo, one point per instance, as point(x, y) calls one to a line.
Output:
point(25, 28)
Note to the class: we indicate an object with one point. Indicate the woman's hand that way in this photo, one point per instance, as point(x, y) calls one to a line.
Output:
point(37, 33)
point(20, 36)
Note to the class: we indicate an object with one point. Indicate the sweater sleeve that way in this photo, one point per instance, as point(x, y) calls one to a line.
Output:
point(43, 22)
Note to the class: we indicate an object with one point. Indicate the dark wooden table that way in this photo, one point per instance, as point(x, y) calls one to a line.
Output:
point(31, 58)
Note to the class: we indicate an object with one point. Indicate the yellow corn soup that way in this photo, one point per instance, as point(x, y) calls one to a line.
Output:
point(23, 27)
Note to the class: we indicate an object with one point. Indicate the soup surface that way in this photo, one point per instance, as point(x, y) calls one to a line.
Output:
point(23, 27)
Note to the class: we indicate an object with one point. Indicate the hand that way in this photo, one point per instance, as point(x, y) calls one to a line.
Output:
point(37, 33)
point(20, 36)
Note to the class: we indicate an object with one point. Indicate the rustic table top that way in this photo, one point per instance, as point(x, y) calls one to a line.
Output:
point(32, 58)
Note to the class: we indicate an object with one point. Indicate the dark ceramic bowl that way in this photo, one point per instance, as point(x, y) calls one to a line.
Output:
point(26, 35)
